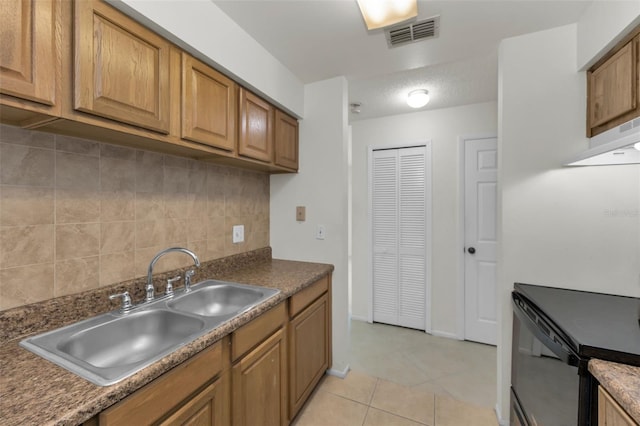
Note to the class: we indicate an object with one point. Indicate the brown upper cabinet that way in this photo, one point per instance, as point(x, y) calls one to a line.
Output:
point(613, 89)
point(121, 68)
point(286, 141)
point(28, 50)
point(85, 69)
point(29, 61)
point(256, 127)
point(209, 105)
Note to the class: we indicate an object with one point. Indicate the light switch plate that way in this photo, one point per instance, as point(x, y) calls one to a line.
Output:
point(321, 232)
point(301, 213)
point(238, 233)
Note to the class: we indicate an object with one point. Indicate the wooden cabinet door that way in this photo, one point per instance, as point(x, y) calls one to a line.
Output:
point(208, 408)
point(610, 413)
point(256, 127)
point(27, 56)
point(121, 68)
point(612, 86)
point(209, 105)
point(308, 352)
point(286, 141)
point(259, 385)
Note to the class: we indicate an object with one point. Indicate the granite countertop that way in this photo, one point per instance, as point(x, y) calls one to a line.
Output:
point(621, 381)
point(36, 391)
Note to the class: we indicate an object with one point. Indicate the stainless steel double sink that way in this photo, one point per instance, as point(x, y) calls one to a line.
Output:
point(113, 346)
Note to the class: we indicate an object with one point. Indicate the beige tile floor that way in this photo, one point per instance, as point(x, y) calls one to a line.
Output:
point(406, 377)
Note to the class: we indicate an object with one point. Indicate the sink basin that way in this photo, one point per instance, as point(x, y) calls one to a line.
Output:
point(219, 299)
point(113, 346)
point(108, 348)
point(130, 340)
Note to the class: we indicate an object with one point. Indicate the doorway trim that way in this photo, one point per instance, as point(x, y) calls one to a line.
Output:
point(428, 231)
point(460, 305)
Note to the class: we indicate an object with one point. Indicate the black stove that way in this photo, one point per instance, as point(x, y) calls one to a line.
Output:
point(555, 333)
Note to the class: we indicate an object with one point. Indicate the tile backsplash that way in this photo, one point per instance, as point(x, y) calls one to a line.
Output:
point(77, 214)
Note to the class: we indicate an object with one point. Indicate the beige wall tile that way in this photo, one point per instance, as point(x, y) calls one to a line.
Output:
point(117, 267)
point(173, 161)
point(149, 171)
point(150, 233)
point(77, 240)
point(23, 165)
point(76, 275)
point(26, 284)
point(197, 229)
point(25, 245)
point(117, 175)
point(143, 257)
point(197, 178)
point(77, 171)
point(76, 145)
point(21, 205)
point(175, 231)
point(117, 206)
point(77, 206)
point(176, 180)
point(117, 152)
point(67, 199)
point(117, 237)
point(18, 136)
point(177, 205)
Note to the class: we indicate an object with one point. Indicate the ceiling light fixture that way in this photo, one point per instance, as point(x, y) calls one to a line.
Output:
point(418, 98)
point(382, 13)
point(637, 146)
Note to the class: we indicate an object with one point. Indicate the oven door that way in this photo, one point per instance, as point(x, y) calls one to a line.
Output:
point(544, 377)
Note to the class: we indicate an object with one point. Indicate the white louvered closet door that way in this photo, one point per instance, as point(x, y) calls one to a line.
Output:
point(399, 219)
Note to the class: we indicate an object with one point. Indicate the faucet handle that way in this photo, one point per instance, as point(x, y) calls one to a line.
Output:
point(170, 281)
point(126, 301)
point(187, 279)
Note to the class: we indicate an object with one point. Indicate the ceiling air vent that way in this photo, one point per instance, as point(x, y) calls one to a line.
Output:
point(416, 31)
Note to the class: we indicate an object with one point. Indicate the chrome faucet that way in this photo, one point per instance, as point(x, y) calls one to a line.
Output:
point(149, 288)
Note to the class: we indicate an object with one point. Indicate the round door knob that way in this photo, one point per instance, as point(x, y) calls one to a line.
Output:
point(471, 250)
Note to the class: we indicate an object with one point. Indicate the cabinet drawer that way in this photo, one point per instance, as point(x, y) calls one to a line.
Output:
point(304, 298)
point(151, 402)
point(256, 331)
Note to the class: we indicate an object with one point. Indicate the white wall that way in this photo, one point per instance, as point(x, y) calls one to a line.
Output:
point(566, 227)
point(602, 25)
point(200, 27)
point(442, 127)
point(321, 186)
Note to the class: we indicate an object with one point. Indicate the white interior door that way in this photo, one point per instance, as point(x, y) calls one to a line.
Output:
point(481, 166)
point(399, 235)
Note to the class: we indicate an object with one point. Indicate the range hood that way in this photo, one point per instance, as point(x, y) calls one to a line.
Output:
point(615, 146)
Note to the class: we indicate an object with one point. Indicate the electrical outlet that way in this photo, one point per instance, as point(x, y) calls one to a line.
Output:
point(238, 233)
point(321, 232)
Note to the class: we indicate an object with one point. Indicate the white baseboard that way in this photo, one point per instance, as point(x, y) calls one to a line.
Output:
point(445, 334)
point(338, 373)
point(501, 421)
point(359, 318)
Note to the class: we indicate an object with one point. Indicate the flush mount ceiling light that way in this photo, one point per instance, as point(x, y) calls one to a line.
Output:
point(382, 13)
point(637, 146)
point(418, 98)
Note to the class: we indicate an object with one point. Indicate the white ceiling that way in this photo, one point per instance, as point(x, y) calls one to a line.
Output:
point(321, 39)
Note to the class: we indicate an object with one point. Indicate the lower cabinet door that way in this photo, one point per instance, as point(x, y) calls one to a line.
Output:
point(308, 352)
point(208, 408)
point(259, 385)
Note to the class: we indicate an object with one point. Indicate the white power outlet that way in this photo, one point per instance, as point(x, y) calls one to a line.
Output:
point(321, 232)
point(238, 233)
